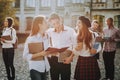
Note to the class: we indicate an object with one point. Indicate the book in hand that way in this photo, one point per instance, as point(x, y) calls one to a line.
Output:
point(64, 55)
point(53, 50)
point(7, 37)
point(36, 48)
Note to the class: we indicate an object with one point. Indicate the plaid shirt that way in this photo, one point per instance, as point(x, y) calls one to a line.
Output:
point(113, 33)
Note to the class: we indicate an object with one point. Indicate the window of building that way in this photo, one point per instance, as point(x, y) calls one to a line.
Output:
point(100, 1)
point(117, 21)
point(30, 3)
point(17, 3)
point(60, 3)
point(45, 3)
point(78, 1)
point(29, 23)
point(116, 0)
point(16, 24)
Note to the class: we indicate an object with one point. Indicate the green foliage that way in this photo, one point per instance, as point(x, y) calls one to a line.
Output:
point(6, 10)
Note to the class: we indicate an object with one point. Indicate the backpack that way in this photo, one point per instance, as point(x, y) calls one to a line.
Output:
point(15, 45)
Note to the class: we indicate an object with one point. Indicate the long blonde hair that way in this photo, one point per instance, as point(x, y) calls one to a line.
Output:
point(36, 24)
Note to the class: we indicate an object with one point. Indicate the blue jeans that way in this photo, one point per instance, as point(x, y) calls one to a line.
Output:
point(35, 75)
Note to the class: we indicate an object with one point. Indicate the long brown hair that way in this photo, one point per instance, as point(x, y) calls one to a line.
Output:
point(35, 24)
point(84, 34)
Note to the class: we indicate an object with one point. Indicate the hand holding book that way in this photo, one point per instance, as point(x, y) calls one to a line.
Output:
point(53, 50)
point(7, 37)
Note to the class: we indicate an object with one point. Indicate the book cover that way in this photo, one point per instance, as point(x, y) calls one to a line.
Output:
point(53, 50)
point(35, 48)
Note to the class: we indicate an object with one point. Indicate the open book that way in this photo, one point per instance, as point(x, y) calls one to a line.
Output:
point(53, 50)
point(35, 48)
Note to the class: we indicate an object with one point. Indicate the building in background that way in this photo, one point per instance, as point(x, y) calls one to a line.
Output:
point(102, 9)
point(69, 10)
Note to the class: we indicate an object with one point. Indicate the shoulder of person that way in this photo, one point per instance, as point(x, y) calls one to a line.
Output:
point(50, 30)
point(29, 39)
point(105, 28)
point(69, 28)
point(116, 28)
point(12, 29)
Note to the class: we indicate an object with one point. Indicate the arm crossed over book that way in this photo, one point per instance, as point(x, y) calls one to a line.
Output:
point(7, 37)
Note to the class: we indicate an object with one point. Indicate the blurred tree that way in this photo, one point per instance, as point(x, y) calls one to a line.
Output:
point(6, 10)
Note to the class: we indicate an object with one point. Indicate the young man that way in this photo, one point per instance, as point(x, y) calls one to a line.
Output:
point(60, 36)
point(109, 48)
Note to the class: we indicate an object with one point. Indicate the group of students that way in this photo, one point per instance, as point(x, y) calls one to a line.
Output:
point(80, 42)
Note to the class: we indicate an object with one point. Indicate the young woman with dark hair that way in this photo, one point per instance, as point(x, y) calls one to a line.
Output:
point(7, 47)
point(87, 66)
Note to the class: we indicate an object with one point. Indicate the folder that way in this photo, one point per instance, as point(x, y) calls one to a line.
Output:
point(7, 37)
point(35, 48)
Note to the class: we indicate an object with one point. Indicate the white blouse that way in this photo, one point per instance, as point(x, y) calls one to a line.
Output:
point(42, 65)
point(65, 38)
point(9, 43)
point(84, 52)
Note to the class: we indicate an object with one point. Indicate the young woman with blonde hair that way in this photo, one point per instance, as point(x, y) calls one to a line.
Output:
point(38, 68)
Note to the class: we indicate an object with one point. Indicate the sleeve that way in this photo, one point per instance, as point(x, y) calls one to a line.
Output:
point(26, 54)
point(117, 35)
point(13, 35)
point(48, 32)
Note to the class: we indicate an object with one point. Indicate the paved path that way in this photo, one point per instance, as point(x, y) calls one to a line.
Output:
point(22, 72)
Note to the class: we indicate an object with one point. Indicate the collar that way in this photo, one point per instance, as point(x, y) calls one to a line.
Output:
point(110, 28)
point(63, 29)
